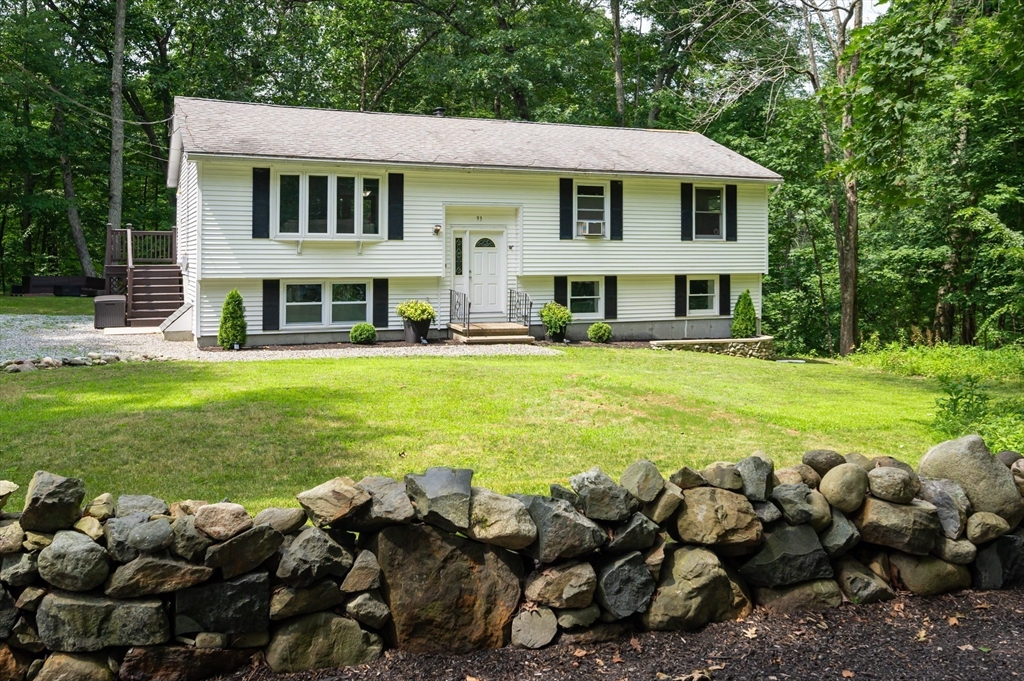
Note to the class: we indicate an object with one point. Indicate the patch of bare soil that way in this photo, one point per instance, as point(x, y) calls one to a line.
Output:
point(965, 636)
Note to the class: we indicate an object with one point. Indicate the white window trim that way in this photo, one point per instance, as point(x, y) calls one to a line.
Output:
point(607, 207)
point(332, 206)
point(721, 216)
point(715, 304)
point(586, 316)
point(326, 304)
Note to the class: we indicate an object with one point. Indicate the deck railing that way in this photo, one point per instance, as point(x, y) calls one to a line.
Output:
point(520, 307)
point(129, 247)
point(458, 309)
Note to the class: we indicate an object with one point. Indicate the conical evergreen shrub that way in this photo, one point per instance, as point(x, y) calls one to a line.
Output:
point(744, 319)
point(232, 322)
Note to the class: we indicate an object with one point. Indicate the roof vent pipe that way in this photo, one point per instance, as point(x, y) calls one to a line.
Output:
point(439, 112)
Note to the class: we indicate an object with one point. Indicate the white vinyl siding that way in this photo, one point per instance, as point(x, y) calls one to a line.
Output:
point(188, 213)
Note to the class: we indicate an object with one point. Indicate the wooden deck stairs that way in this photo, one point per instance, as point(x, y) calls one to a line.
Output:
point(156, 293)
point(491, 333)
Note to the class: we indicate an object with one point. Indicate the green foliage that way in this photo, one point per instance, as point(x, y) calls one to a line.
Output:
point(416, 311)
point(954, 362)
point(233, 328)
point(363, 334)
point(599, 332)
point(967, 409)
point(744, 318)
point(555, 317)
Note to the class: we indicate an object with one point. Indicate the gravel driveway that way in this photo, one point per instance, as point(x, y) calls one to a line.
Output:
point(25, 336)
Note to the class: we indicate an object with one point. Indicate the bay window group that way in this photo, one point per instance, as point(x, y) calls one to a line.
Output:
point(328, 206)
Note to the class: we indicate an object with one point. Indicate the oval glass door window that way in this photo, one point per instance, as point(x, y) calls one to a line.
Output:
point(484, 243)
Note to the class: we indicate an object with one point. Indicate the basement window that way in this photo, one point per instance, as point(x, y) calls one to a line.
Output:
point(348, 303)
point(585, 297)
point(703, 296)
point(303, 304)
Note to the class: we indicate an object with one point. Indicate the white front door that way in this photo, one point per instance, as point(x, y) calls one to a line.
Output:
point(483, 273)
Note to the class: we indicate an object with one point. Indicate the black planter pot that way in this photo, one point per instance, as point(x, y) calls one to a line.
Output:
point(414, 331)
point(557, 337)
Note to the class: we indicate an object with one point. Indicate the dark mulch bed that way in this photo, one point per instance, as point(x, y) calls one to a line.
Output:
point(968, 636)
point(433, 341)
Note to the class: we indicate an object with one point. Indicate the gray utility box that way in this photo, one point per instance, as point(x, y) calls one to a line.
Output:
point(109, 311)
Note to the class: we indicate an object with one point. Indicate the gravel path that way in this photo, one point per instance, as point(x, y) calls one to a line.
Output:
point(968, 636)
point(24, 336)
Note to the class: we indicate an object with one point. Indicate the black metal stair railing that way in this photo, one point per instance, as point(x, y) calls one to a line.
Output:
point(458, 309)
point(520, 307)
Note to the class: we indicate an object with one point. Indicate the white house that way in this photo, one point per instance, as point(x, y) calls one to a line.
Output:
point(322, 219)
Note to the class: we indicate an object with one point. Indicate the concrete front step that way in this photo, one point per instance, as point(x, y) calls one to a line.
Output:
point(493, 340)
point(491, 329)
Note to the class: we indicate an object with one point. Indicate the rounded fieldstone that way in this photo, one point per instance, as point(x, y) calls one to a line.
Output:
point(1008, 457)
point(892, 484)
point(154, 535)
point(821, 512)
point(845, 486)
point(534, 628)
point(73, 562)
point(859, 459)
point(222, 521)
point(823, 460)
point(983, 527)
point(643, 480)
point(799, 474)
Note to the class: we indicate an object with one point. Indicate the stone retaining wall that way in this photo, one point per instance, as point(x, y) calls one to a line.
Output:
point(134, 588)
point(761, 347)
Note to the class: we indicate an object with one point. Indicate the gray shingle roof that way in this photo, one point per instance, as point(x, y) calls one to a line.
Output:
point(211, 126)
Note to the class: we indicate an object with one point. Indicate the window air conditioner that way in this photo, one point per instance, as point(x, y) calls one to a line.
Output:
point(590, 228)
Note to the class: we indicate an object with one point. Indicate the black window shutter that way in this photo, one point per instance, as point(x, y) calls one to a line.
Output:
point(616, 229)
point(271, 304)
point(396, 207)
point(680, 295)
point(380, 303)
point(562, 291)
point(730, 212)
point(686, 212)
point(724, 295)
point(261, 203)
point(565, 208)
point(611, 297)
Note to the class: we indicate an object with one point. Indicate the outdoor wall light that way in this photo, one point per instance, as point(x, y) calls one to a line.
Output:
point(437, 229)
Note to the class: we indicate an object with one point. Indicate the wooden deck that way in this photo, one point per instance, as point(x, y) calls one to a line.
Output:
point(491, 333)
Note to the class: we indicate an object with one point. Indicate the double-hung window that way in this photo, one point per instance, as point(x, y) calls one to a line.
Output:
point(585, 297)
point(707, 209)
point(702, 298)
point(328, 206)
point(591, 209)
point(326, 303)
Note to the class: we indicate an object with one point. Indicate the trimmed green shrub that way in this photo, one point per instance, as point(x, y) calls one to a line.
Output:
point(363, 334)
point(744, 319)
point(599, 332)
point(416, 311)
point(232, 322)
point(555, 317)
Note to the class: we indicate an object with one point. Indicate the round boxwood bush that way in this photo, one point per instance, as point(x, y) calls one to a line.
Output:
point(599, 332)
point(363, 334)
point(232, 322)
point(555, 317)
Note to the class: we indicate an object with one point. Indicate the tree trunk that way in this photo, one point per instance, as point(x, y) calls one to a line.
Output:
point(821, 287)
point(117, 120)
point(620, 93)
point(74, 221)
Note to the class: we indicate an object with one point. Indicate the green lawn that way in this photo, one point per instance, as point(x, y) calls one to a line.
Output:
point(45, 305)
point(258, 432)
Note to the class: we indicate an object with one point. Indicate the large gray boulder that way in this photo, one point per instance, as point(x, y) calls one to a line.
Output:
point(500, 520)
point(1000, 564)
point(149, 575)
point(636, 534)
point(956, 551)
point(19, 569)
point(369, 608)
point(845, 486)
point(311, 556)
point(665, 504)
point(692, 591)
point(364, 575)
point(446, 593)
point(322, 640)
point(840, 536)
point(625, 585)
point(566, 586)
point(389, 505)
point(724, 475)
point(794, 500)
point(75, 623)
point(562, 531)
point(643, 480)
point(189, 543)
point(288, 601)
point(127, 504)
point(717, 517)
point(820, 594)
point(988, 483)
point(791, 554)
point(928, 575)
point(757, 472)
point(892, 484)
point(52, 503)
point(332, 501)
point(116, 532)
point(284, 520)
point(911, 528)
point(235, 606)
point(822, 460)
point(154, 535)
point(441, 497)
point(73, 562)
point(244, 552)
point(601, 498)
point(950, 502)
point(534, 628)
point(859, 584)
point(983, 527)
